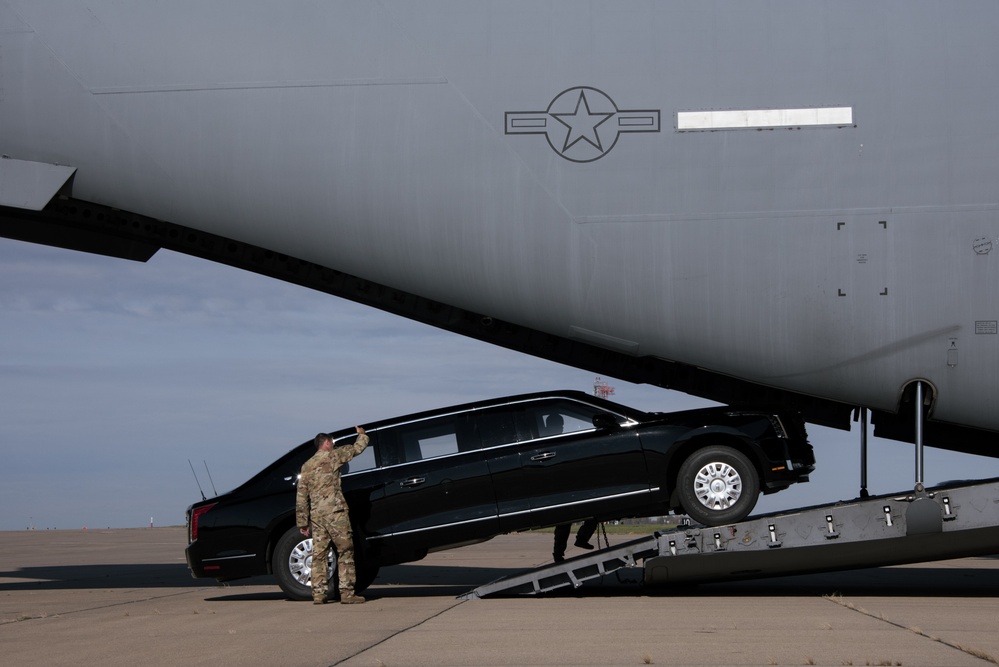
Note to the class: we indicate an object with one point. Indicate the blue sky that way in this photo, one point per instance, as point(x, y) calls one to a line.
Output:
point(114, 374)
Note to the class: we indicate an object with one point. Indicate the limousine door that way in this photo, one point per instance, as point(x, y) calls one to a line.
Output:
point(567, 472)
point(436, 489)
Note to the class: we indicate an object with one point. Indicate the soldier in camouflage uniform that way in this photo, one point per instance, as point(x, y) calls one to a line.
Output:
point(321, 510)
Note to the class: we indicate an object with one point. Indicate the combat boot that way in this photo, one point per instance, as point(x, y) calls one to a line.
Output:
point(349, 597)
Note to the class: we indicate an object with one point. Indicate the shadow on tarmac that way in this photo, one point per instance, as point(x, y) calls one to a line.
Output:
point(63, 577)
point(411, 580)
point(899, 582)
point(440, 575)
point(414, 580)
point(396, 581)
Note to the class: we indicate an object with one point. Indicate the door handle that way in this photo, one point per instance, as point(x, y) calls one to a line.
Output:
point(413, 481)
point(544, 456)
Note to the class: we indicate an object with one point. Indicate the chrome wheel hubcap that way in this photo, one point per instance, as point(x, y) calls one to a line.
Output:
point(718, 486)
point(300, 562)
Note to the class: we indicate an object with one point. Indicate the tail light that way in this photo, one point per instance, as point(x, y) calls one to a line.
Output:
point(195, 518)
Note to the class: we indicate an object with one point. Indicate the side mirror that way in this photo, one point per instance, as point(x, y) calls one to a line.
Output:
point(604, 420)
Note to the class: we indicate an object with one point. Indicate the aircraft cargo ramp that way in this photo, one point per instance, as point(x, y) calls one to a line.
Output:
point(951, 521)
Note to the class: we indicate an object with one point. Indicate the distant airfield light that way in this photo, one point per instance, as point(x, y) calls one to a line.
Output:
point(602, 389)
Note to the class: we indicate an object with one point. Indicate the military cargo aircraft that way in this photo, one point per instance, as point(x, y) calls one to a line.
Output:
point(791, 202)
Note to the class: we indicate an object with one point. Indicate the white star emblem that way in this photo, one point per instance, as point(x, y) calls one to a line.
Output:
point(582, 124)
point(575, 123)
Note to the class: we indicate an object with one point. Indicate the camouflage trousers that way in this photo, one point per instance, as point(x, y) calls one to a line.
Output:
point(333, 530)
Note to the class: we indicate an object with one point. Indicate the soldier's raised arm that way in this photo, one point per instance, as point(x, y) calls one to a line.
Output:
point(361, 442)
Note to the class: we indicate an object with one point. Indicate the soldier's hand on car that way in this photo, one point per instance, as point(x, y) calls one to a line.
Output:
point(359, 429)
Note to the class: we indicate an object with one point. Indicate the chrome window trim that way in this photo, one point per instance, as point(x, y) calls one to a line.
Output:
point(627, 423)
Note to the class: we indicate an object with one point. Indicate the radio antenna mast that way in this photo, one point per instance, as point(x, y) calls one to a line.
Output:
point(210, 478)
point(196, 481)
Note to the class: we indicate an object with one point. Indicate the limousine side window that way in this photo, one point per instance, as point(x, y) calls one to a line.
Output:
point(427, 439)
point(502, 426)
point(429, 442)
point(562, 417)
point(363, 461)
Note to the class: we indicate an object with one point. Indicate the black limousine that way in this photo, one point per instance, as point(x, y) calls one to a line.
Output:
point(463, 474)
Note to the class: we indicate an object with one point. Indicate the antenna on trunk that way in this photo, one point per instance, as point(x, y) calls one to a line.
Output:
point(210, 478)
point(196, 481)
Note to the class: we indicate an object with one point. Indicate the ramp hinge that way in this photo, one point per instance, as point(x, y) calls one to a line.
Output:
point(948, 513)
point(774, 542)
point(831, 532)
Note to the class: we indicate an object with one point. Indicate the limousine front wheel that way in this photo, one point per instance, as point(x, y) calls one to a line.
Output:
point(718, 485)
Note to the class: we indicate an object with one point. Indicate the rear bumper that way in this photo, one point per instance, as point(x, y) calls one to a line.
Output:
point(224, 566)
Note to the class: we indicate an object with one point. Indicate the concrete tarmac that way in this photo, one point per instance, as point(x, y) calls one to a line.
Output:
point(125, 597)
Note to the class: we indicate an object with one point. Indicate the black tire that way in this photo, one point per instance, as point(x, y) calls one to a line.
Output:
point(718, 485)
point(292, 566)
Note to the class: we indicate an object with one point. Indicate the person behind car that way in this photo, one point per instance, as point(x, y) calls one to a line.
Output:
point(583, 536)
point(321, 510)
point(554, 425)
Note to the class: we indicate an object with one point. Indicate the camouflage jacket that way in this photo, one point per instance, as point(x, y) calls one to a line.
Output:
point(319, 491)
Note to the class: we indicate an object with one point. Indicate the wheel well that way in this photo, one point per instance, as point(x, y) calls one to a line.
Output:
point(684, 450)
point(280, 529)
point(906, 406)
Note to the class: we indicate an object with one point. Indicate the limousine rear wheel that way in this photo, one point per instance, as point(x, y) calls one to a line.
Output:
point(292, 566)
point(718, 485)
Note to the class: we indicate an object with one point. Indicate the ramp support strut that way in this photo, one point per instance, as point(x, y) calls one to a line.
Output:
point(919, 436)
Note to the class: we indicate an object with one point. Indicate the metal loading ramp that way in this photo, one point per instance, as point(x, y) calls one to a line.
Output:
point(952, 521)
point(570, 572)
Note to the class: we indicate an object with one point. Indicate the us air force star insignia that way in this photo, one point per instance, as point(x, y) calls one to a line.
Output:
point(581, 124)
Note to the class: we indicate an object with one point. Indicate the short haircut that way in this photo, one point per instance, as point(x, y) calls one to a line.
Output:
point(321, 438)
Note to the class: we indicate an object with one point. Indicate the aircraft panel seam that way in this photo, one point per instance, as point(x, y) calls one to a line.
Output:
point(755, 215)
point(268, 85)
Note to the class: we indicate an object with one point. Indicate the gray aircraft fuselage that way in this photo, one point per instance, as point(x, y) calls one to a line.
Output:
point(797, 196)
